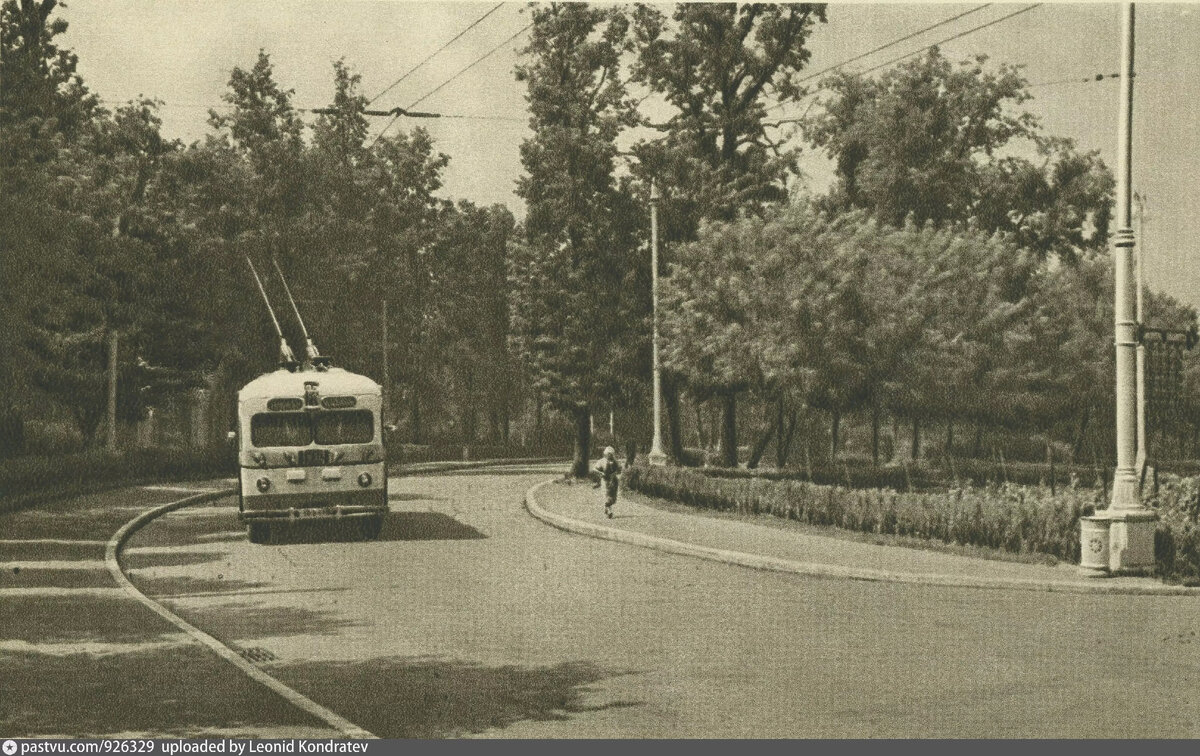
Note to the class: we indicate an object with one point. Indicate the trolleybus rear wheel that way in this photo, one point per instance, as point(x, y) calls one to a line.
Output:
point(371, 527)
point(259, 532)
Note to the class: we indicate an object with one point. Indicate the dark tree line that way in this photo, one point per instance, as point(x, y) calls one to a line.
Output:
point(954, 279)
point(108, 226)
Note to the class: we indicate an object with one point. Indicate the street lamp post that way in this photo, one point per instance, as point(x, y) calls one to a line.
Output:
point(1140, 249)
point(1121, 538)
point(657, 456)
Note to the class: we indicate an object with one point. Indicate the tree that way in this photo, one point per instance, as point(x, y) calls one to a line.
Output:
point(45, 111)
point(717, 64)
point(927, 141)
point(468, 315)
point(567, 273)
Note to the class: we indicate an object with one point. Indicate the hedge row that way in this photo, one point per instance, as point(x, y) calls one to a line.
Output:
point(926, 476)
point(948, 473)
point(28, 480)
point(1009, 517)
point(1013, 518)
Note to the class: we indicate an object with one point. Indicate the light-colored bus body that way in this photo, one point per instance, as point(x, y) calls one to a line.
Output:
point(310, 446)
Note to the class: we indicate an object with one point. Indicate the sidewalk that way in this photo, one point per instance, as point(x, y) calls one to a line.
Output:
point(580, 509)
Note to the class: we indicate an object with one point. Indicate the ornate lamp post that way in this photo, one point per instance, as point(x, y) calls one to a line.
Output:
point(657, 456)
point(1121, 538)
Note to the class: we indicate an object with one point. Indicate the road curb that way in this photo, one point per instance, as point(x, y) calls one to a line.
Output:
point(112, 552)
point(812, 569)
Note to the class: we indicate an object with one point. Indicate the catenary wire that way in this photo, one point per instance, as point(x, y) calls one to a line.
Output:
point(435, 52)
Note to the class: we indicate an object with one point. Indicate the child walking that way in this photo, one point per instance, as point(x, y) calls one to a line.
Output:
point(609, 469)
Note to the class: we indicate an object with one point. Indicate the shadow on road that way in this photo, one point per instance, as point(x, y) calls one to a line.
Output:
point(238, 623)
point(419, 698)
point(426, 526)
point(184, 691)
point(397, 526)
point(178, 587)
point(134, 560)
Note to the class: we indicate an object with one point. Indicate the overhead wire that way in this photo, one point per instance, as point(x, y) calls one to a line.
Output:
point(920, 50)
point(893, 43)
point(460, 72)
point(430, 57)
point(470, 65)
point(960, 35)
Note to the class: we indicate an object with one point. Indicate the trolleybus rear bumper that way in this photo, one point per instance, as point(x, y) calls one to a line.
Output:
point(310, 513)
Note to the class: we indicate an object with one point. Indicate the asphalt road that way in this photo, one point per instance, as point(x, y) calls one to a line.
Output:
point(469, 618)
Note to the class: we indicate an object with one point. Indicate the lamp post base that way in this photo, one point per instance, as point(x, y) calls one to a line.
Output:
point(1119, 542)
point(657, 458)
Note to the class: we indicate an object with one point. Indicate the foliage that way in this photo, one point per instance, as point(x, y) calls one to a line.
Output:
point(927, 141)
point(1013, 518)
point(28, 480)
point(716, 65)
point(571, 327)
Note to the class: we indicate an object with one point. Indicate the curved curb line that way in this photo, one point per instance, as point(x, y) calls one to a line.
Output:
point(112, 560)
point(813, 569)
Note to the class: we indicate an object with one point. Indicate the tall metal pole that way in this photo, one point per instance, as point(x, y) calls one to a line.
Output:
point(112, 391)
point(1120, 539)
point(385, 405)
point(1140, 249)
point(1125, 493)
point(657, 456)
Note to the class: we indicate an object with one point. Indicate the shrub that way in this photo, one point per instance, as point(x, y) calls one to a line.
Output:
point(1019, 519)
point(28, 480)
point(1007, 517)
point(928, 475)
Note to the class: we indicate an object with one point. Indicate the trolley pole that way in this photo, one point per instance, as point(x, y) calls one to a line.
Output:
point(657, 456)
point(1120, 539)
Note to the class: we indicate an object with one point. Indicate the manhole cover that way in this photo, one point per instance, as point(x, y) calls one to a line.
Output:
point(257, 654)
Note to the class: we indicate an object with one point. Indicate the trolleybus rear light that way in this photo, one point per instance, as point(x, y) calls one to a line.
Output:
point(364, 479)
point(263, 484)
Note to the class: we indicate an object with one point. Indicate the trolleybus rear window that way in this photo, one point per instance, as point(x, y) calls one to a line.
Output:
point(301, 429)
point(357, 427)
point(280, 430)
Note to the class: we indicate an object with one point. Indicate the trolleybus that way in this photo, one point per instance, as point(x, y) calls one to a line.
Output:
point(310, 442)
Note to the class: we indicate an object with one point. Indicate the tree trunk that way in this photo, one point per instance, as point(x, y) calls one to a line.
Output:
point(781, 455)
point(700, 440)
point(760, 446)
point(729, 447)
point(916, 438)
point(835, 426)
point(468, 410)
point(949, 450)
point(414, 414)
point(537, 420)
point(1084, 419)
point(670, 394)
point(779, 450)
point(875, 435)
point(580, 466)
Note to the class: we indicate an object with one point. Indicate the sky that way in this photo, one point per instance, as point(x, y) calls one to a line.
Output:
point(182, 51)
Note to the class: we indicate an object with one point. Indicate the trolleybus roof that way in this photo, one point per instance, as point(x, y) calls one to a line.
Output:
point(287, 383)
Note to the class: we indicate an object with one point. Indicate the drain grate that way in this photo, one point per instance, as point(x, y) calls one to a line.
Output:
point(257, 654)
